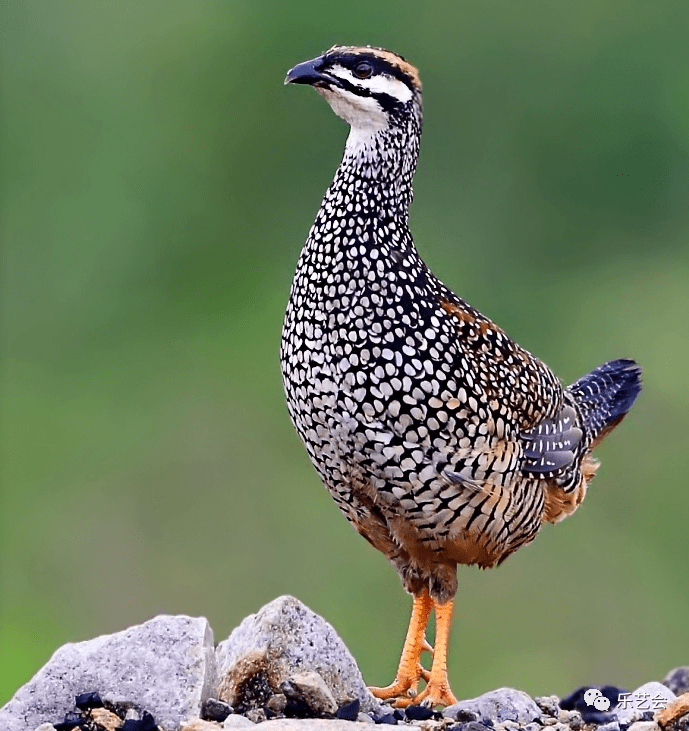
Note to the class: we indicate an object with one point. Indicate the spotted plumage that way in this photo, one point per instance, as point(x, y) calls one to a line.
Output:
point(440, 439)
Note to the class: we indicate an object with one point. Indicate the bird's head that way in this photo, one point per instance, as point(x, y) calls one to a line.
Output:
point(371, 88)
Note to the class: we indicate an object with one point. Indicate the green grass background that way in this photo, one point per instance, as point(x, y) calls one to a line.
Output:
point(157, 183)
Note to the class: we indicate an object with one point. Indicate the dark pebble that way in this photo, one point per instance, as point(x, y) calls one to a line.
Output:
point(464, 716)
point(469, 726)
point(386, 718)
point(72, 720)
point(349, 711)
point(145, 724)
point(215, 710)
point(419, 713)
point(398, 713)
point(296, 708)
point(84, 701)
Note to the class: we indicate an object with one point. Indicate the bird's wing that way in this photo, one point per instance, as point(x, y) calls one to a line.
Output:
point(552, 444)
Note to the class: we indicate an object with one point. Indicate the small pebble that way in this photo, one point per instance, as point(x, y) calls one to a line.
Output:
point(145, 723)
point(644, 726)
point(612, 726)
point(72, 720)
point(84, 701)
point(277, 703)
point(533, 726)
point(349, 711)
point(215, 710)
point(388, 718)
point(236, 721)
point(256, 715)
point(549, 704)
point(465, 716)
point(572, 718)
point(364, 718)
point(419, 713)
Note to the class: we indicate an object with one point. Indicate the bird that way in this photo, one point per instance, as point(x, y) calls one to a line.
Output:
point(441, 440)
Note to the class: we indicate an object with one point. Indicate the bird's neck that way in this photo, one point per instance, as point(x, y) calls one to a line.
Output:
point(377, 170)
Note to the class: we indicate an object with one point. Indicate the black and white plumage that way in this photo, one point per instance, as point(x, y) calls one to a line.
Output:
point(441, 440)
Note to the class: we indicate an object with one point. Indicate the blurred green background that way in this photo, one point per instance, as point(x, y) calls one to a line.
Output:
point(157, 184)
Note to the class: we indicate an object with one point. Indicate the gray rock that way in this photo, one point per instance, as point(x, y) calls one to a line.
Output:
point(645, 700)
point(318, 724)
point(532, 727)
point(504, 704)
point(572, 719)
point(46, 727)
point(165, 665)
point(235, 721)
point(612, 726)
point(549, 704)
point(677, 680)
point(644, 726)
point(281, 639)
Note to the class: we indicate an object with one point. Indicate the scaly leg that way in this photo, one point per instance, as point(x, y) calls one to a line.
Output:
point(410, 670)
point(437, 691)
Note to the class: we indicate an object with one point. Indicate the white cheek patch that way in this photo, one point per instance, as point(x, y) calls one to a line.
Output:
point(362, 113)
point(379, 84)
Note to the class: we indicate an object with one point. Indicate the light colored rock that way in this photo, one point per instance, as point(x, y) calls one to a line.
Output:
point(503, 704)
point(107, 719)
point(311, 688)
point(673, 711)
point(318, 724)
point(281, 639)
point(46, 727)
point(166, 665)
point(648, 698)
point(198, 724)
point(612, 726)
point(549, 704)
point(644, 726)
point(235, 721)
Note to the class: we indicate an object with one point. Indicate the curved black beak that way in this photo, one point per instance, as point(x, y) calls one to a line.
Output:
point(311, 72)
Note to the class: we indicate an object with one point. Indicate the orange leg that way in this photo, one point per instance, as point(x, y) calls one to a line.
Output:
point(410, 670)
point(437, 690)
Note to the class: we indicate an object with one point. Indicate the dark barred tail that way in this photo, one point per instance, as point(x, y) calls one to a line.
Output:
point(606, 394)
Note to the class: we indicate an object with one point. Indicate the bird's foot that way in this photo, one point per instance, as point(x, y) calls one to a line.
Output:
point(436, 693)
point(404, 686)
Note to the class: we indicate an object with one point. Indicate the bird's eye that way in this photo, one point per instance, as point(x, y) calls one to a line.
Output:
point(363, 70)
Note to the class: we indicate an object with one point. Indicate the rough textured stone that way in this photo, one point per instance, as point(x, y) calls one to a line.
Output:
point(504, 704)
point(283, 638)
point(198, 724)
point(644, 726)
point(548, 704)
point(318, 724)
point(165, 665)
point(612, 726)
point(107, 719)
point(643, 703)
point(673, 711)
point(235, 721)
point(310, 688)
point(677, 680)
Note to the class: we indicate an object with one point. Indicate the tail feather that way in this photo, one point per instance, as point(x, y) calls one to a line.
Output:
point(606, 394)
